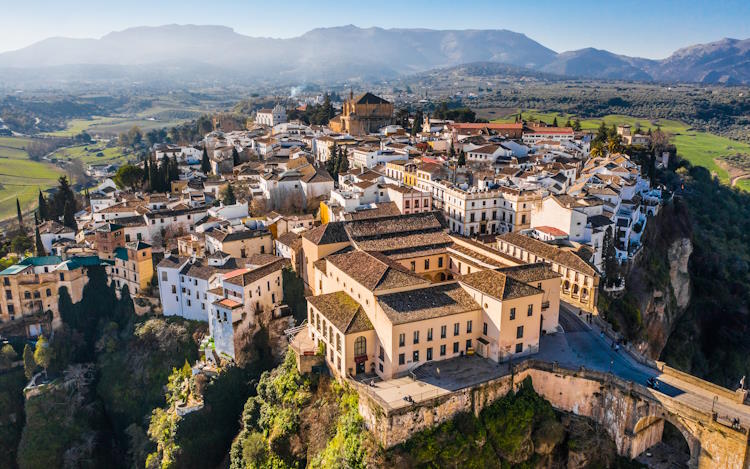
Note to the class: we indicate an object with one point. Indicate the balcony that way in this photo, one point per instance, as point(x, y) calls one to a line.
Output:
point(545, 305)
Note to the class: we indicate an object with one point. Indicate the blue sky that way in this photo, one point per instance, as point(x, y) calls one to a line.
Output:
point(642, 28)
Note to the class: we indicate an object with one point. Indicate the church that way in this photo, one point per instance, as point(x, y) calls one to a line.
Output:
point(362, 115)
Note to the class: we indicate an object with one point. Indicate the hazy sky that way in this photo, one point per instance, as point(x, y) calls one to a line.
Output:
point(651, 29)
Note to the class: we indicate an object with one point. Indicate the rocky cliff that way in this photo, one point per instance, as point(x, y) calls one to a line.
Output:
point(658, 283)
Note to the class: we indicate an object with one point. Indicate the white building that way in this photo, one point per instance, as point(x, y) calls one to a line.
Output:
point(271, 117)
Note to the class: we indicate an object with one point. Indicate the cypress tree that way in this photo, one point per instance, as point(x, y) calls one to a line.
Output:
point(235, 157)
point(153, 177)
point(462, 158)
point(36, 219)
point(229, 198)
point(145, 169)
point(38, 245)
point(69, 218)
point(43, 210)
point(554, 122)
point(205, 163)
point(29, 365)
point(332, 162)
point(343, 163)
point(18, 213)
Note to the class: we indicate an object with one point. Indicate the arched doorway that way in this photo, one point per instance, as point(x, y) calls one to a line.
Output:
point(360, 353)
point(441, 277)
point(658, 442)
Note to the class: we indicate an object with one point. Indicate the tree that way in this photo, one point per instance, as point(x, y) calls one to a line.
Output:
point(235, 157)
point(69, 218)
point(228, 197)
point(146, 170)
point(18, 213)
point(38, 245)
point(43, 210)
point(63, 195)
point(568, 124)
point(597, 149)
point(613, 144)
point(7, 357)
point(601, 134)
point(554, 122)
point(332, 161)
point(577, 125)
point(462, 158)
point(21, 243)
point(29, 365)
point(343, 163)
point(609, 254)
point(130, 176)
point(452, 151)
point(416, 125)
point(205, 163)
point(43, 353)
point(154, 183)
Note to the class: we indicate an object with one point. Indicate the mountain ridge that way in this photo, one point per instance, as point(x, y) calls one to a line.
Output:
point(350, 52)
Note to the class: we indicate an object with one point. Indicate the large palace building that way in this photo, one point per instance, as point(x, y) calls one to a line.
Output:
point(362, 115)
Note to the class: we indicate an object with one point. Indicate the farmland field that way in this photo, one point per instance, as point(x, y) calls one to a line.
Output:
point(93, 153)
point(108, 127)
point(20, 177)
point(700, 148)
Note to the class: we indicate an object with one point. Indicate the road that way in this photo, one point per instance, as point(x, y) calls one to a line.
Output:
point(582, 345)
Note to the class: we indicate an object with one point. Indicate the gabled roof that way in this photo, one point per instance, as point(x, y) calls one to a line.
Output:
point(342, 311)
point(375, 271)
point(549, 252)
point(498, 285)
point(369, 98)
point(330, 233)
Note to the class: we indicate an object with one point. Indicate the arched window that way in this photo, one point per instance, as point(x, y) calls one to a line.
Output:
point(584, 293)
point(360, 346)
point(49, 292)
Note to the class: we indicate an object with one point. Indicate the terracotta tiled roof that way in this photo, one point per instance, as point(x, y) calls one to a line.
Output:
point(342, 311)
point(375, 271)
point(549, 252)
point(426, 303)
point(498, 285)
point(330, 233)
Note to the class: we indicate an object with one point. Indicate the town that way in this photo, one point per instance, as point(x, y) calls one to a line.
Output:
point(430, 259)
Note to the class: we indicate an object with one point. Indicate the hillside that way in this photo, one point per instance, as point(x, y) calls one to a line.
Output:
point(190, 53)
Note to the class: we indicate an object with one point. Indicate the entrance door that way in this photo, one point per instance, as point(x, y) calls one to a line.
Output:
point(360, 367)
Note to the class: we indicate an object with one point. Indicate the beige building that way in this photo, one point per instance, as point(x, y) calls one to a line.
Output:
point(133, 267)
point(240, 243)
point(362, 115)
point(580, 280)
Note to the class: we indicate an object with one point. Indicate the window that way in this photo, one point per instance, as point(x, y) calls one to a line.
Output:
point(440, 262)
point(429, 335)
point(401, 339)
point(429, 354)
point(401, 359)
point(27, 295)
point(413, 266)
point(530, 310)
point(338, 362)
point(48, 292)
point(416, 337)
point(468, 327)
point(484, 328)
point(443, 332)
point(426, 264)
point(406, 204)
point(468, 344)
point(338, 342)
point(512, 313)
point(442, 350)
point(519, 332)
point(456, 328)
point(519, 348)
point(415, 356)
point(360, 347)
point(6, 281)
point(455, 347)
point(381, 354)
point(8, 294)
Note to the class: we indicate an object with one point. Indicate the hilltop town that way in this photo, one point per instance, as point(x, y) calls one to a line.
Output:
point(416, 259)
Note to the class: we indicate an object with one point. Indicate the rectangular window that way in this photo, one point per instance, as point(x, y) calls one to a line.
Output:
point(519, 332)
point(380, 367)
point(484, 328)
point(512, 313)
point(442, 350)
point(468, 327)
point(468, 344)
point(455, 347)
point(415, 356)
point(440, 262)
point(429, 354)
point(413, 266)
point(401, 359)
point(426, 264)
point(416, 337)
point(443, 331)
point(401, 339)
point(530, 310)
point(456, 328)
point(519, 348)
point(429, 335)
point(381, 355)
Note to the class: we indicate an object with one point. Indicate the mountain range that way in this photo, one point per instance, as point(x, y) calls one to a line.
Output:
point(191, 52)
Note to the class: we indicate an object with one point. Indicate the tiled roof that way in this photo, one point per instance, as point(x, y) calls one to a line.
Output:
point(330, 233)
point(549, 252)
point(53, 227)
point(342, 311)
point(375, 271)
point(530, 272)
point(498, 285)
point(426, 303)
point(258, 273)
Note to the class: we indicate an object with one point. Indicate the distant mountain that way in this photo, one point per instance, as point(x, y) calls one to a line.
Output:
point(190, 53)
point(595, 63)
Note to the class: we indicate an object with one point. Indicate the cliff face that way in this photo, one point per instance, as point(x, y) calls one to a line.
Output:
point(666, 302)
point(658, 283)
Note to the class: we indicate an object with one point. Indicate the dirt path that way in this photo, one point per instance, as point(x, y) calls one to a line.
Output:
point(735, 173)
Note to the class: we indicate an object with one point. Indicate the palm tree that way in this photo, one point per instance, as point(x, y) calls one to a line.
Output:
point(596, 150)
point(613, 145)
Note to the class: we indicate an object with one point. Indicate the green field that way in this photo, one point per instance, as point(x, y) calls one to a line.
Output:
point(20, 177)
point(108, 127)
point(90, 154)
point(700, 148)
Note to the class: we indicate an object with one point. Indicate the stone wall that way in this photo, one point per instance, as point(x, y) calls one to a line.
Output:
point(633, 415)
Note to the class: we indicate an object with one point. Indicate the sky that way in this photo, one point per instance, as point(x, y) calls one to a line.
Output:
point(652, 29)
